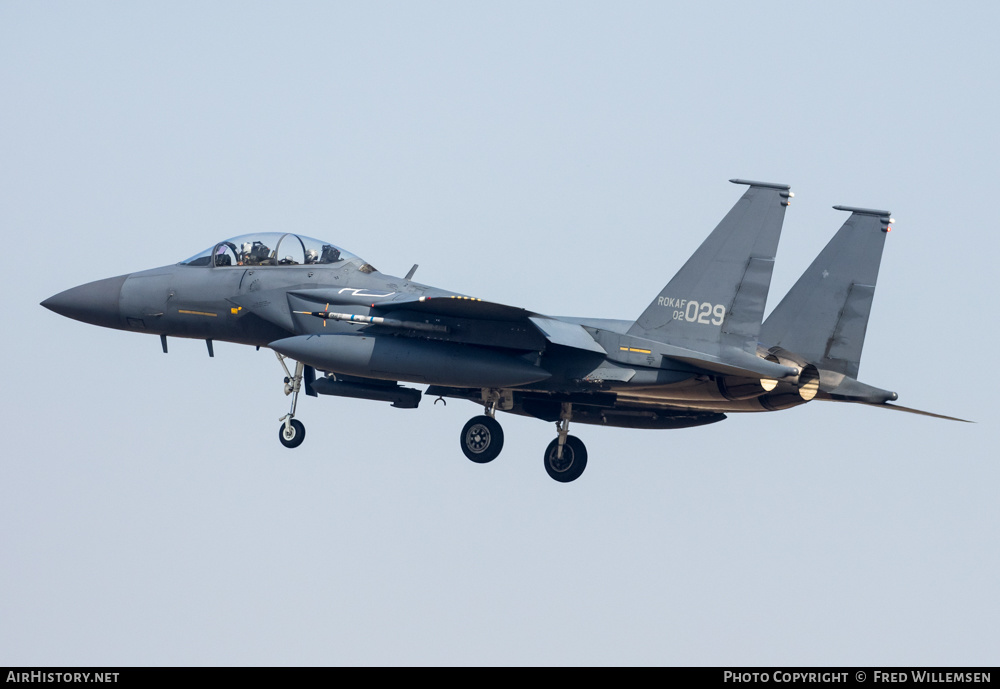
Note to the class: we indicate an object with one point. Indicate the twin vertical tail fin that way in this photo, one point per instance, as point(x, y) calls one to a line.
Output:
point(716, 301)
point(824, 316)
point(711, 312)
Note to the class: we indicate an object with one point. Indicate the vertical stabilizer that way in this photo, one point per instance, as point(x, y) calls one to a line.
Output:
point(824, 316)
point(716, 300)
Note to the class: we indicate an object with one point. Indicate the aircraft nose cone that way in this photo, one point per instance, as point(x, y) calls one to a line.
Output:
point(95, 302)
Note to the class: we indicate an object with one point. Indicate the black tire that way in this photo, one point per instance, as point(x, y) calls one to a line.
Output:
point(573, 462)
point(482, 439)
point(295, 436)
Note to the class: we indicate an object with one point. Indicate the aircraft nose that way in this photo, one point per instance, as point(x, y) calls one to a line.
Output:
point(95, 302)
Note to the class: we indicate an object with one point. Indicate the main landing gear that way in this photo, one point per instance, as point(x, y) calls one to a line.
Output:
point(565, 457)
point(482, 436)
point(482, 439)
point(292, 432)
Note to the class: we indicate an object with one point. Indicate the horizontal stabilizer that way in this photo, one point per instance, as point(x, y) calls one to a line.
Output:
point(841, 388)
point(917, 411)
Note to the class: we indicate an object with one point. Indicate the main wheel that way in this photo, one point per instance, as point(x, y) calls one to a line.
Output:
point(572, 463)
point(293, 436)
point(482, 439)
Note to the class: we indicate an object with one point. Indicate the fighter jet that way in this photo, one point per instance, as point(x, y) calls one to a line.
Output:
point(700, 350)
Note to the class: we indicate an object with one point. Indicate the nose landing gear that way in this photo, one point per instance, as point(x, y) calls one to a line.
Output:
point(292, 432)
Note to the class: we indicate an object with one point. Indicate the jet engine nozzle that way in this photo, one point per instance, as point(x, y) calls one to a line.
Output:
point(790, 392)
point(733, 388)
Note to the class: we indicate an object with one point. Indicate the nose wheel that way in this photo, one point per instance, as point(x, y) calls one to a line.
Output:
point(291, 432)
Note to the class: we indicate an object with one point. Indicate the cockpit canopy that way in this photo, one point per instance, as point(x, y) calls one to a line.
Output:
point(273, 249)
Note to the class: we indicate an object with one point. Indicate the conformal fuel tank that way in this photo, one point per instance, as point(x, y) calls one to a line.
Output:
point(387, 357)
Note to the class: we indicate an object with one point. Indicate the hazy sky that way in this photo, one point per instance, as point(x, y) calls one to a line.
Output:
point(565, 157)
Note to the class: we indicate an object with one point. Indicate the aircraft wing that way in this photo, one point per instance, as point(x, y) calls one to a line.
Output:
point(452, 317)
point(460, 307)
point(450, 305)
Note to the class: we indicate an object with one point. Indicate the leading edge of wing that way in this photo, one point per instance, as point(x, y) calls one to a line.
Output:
point(556, 331)
point(457, 306)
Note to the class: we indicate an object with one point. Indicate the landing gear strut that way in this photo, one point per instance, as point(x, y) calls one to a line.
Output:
point(482, 436)
point(566, 456)
point(292, 432)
